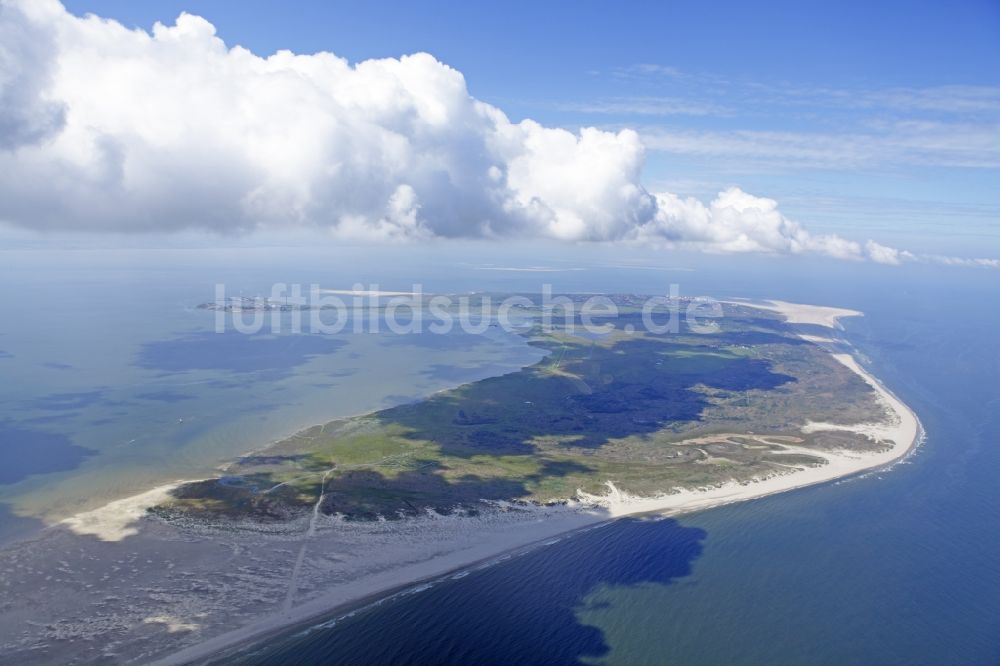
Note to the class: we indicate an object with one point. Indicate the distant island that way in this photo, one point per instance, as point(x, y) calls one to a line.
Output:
point(615, 419)
point(606, 425)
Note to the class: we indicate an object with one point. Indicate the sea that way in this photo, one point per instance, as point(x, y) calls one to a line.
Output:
point(111, 376)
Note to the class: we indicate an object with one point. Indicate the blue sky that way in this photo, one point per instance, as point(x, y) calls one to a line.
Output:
point(857, 116)
point(516, 48)
point(864, 120)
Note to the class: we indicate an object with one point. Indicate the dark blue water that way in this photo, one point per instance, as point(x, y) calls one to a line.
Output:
point(895, 567)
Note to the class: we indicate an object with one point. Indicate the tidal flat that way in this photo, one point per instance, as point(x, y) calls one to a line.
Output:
point(622, 423)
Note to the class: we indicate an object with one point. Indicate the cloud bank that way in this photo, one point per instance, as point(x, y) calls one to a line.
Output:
point(104, 128)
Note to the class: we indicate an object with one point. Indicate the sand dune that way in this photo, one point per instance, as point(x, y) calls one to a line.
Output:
point(899, 433)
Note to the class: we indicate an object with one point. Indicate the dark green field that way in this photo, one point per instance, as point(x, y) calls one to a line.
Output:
point(622, 407)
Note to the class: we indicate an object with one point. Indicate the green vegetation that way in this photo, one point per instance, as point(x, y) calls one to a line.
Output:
point(647, 412)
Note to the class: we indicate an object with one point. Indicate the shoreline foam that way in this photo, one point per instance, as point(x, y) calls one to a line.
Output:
point(902, 432)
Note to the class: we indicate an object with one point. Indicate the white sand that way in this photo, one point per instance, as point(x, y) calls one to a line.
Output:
point(798, 313)
point(898, 434)
point(116, 520)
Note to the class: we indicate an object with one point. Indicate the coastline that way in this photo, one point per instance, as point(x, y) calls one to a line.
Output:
point(357, 594)
point(900, 435)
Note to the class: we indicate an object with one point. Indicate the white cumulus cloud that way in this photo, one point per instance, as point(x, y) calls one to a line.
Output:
point(106, 128)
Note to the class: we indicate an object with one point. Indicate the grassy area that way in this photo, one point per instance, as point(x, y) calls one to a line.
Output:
point(622, 407)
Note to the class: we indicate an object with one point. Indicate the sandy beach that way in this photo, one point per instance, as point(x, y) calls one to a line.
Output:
point(899, 434)
point(319, 566)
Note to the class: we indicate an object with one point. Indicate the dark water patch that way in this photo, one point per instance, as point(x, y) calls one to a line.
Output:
point(227, 385)
point(24, 452)
point(57, 366)
point(164, 396)
point(525, 609)
point(49, 418)
point(267, 357)
point(71, 401)
point(5, 354)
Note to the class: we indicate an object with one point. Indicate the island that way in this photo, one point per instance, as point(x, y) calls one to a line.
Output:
point(622, 422)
